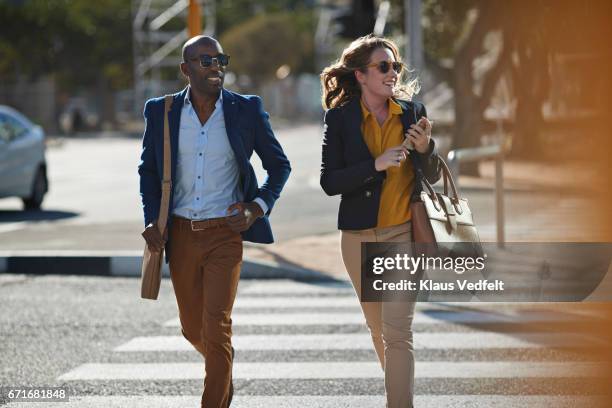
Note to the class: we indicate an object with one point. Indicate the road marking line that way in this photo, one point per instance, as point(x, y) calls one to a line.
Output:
point(13, 226)
point(363, 341)
point(336, 401)
point(334, 370)
point(287, 287)
point(421, 317)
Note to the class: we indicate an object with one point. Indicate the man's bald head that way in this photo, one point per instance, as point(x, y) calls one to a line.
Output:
point(204, 78)
point(192, 44)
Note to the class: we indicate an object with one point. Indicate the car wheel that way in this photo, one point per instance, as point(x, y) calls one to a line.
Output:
point(39, 188)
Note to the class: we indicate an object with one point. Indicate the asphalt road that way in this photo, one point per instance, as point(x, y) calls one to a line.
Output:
point(94, 203)
point(111, 349)
point(98, 339)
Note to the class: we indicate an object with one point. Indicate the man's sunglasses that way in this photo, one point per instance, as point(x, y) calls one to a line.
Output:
point(384, 66)
point(206, 60)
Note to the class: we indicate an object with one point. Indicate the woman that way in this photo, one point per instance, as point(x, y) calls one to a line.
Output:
point(370, 125)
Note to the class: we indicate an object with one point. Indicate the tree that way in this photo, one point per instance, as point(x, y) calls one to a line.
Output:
point(528, 35)
point(267, 41)
point(81, 43)
point(232, 13)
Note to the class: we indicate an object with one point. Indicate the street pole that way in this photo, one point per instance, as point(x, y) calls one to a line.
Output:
point(210, 18)
point(414, 32)
point(194, 18)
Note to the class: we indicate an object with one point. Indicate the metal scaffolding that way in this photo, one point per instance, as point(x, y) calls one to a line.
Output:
point(159, 29)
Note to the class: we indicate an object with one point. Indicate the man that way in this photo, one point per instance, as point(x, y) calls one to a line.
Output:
point(215, 201)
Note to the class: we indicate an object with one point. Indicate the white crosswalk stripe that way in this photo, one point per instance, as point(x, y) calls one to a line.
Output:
point(285, 287)
point(346, 401)
point(356, 317)
point(333, 370)
point(268, 314)
point(287, 302)
point(362, 341)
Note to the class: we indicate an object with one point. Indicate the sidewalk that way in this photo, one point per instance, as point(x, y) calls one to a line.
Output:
point(322, 252)
point(533, 176)
point(533, 212)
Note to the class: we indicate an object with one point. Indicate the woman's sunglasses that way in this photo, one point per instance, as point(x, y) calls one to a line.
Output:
point(384, 66)
point(206, 60)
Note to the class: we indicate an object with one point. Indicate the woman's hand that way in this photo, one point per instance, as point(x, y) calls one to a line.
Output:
point(393, 156)
point(420, 135)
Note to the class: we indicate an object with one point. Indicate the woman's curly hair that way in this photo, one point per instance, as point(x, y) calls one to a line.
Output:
point(338, 80)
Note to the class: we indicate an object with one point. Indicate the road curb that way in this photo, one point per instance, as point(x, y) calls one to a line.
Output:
point(128, 264)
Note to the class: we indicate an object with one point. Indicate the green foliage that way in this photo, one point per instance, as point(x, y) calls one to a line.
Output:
point(231, 13)
point(262, 44)
point(444, 23)
point(79, 41)
point(82, 42)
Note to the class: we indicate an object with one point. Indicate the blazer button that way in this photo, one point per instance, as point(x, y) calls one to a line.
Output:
point(368, 193)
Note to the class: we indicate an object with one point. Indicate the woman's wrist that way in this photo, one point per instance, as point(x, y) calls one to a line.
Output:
point(377, 165)
point(428, 148)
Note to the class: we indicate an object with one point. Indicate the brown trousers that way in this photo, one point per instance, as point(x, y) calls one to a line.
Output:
point(390, 323)
point(205, 269)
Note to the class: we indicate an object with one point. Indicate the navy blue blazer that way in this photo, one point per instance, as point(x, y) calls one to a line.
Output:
point(248, 130)
point(348, 166)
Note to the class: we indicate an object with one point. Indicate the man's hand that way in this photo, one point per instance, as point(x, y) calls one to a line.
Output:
point(154, 239)
point(245, 216)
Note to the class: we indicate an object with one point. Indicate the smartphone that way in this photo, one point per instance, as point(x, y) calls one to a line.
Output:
point(421, 122)
point(407, 143)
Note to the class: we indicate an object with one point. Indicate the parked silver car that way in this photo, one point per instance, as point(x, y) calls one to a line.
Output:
point(23, 168)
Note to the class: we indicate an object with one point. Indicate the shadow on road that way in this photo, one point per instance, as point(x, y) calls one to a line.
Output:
point(43, 215)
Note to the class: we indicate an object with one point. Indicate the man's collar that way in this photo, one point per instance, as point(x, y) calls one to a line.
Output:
point(187, 100)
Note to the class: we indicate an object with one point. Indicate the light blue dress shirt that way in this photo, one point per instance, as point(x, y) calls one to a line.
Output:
point(207, 174)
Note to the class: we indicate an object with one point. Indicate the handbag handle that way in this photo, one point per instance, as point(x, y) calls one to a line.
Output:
point(448, 179)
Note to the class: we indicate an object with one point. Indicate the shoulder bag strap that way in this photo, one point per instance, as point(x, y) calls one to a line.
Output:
point(167, 178)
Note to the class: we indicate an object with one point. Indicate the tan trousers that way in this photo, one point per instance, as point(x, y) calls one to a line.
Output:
point(390, 323)
point(205, 269)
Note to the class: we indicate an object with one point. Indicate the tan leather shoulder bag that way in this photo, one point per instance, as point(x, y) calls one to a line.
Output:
point(152, 261)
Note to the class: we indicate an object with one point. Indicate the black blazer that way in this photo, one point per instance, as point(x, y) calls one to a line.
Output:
point(348, 167)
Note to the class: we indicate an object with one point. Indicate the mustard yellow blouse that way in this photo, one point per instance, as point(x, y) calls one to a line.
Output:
point(394, 208)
